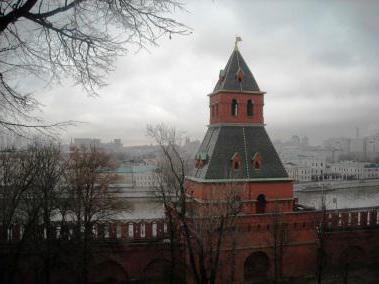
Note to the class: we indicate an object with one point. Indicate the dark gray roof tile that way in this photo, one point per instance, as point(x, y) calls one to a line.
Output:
point(229, 81)
point(222, 142)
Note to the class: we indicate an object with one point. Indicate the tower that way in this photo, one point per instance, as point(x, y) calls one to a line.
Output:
point(237, 149)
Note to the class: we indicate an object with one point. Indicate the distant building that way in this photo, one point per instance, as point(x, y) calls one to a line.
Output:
point(372, 147)
point(86, 142)
point(371, 171)
point(11, 140)
point(348, 170)
point(358, 147)
point(135, 176)
point(113, 146)
point(298, 173)
point(341, 144)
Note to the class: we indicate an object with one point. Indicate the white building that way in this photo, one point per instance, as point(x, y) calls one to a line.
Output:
point(315, 163)
point(371, 171)
point(298, 173)
point(372, 147)
point(348, 170)
point(136, 176)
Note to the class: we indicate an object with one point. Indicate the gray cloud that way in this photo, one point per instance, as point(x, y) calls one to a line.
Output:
point(317, 60)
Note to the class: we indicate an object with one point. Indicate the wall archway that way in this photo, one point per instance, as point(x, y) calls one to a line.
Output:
point(158, 271)
point(59, 274)
point(256, 267)
point(352, 258)
point(108, 272)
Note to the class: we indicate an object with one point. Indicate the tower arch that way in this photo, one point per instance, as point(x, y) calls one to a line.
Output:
point(234, 107)
point(256, 267)
point(261, 204)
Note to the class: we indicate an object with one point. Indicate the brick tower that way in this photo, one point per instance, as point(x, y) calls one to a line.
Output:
point(236, 148)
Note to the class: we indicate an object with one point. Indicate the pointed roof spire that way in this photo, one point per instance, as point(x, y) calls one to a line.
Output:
point(236, 76)
point(238, 39)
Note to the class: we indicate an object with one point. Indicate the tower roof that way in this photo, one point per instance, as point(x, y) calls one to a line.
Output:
point(222, 143)
point(236, 76)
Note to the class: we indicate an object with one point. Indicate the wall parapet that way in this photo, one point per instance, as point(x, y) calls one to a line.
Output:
point(122, 230)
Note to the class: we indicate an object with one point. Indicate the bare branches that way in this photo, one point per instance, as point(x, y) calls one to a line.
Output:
point(40, 188)
point(50, 40)
point(18, 11)
point(202, 225)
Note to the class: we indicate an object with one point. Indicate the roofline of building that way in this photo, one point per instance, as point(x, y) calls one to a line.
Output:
point(202, 180)
point(236, 91)
point(237, 124)
point(218, 201)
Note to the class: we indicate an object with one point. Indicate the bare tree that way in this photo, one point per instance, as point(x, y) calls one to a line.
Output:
point(50, 39)
point(279, 234)
point(49, 167)
point(169, 182)
point(30, 196)
point(42, 191)
point(16, 179)
point(321, 233)
point(201, 227)
point(92, 204)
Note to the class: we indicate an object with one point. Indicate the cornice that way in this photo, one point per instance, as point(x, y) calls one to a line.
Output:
point(239, 180)
point(238, 92)
point(236, 124)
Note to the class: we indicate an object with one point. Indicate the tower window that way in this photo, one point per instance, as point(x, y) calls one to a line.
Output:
point(261, 204)
point(257, 161)
point(234, 108)
point(236, 165)
point(257, 165)
point(239, 75)
point(236, 161)
point(250, 108)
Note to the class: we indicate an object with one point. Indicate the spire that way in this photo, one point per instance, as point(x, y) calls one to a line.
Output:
point(238, 39)
point(236, 76)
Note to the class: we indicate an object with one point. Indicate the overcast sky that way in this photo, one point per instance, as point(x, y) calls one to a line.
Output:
point(317, 61)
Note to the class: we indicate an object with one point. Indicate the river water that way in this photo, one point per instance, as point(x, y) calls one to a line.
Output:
point(353, 197)
point(354, 194)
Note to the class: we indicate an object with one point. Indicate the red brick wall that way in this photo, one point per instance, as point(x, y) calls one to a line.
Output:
point(222, 113)
point(279, 195)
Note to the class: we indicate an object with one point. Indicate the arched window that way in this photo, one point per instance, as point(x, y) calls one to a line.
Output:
point(250, 108)
point(236, 161)
point(234, 108)
point(261, 203)
point(239, 75)
point(257, 161)
point(257, 164)
point(236, 165)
